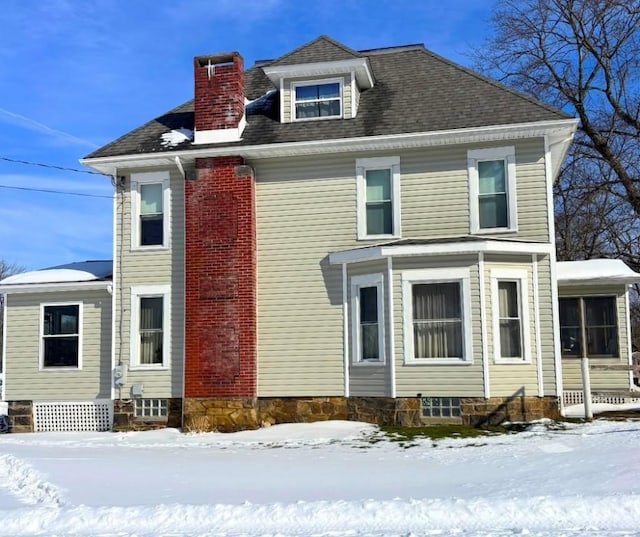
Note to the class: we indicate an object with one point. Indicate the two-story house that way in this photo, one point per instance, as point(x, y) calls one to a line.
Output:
point(333, 234)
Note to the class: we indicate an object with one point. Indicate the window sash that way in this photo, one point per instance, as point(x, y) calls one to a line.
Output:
point(493, 201)
point(61, 336)
point(369, 326)
point(150, 199)
point(601, 326)
point(437, 320)
point(151, 330)
point(379, 202)
point(510, 319)
point(317, 100)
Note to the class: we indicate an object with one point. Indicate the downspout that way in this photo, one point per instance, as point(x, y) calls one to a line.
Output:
point(184, 276)
point(483, 327)
point(392, 338)
point(554, 275)
point(4, 299)
point(345, 329)
point(536, 320)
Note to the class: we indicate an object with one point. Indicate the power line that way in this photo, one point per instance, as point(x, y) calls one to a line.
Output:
point(46, 191)
point(52, 166)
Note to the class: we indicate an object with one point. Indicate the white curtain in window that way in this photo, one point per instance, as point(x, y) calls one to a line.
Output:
point(510, 329)
point(437, 315)
point(151, 330)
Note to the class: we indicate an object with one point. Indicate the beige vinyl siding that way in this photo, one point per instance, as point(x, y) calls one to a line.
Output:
point(23, 377)
point(287, 98)
point(459, 380)
point(369, 379)
point(305, 210)
point(547, 336)
point(601, 380)
point(435, 192)
point(356, 97)
point(151, 267)
point(517, 379)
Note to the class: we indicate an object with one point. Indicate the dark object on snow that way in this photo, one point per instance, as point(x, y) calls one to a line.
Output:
point(4, 424)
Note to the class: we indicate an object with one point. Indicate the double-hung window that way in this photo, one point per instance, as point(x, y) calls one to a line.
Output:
point(492, 190)
point(150, 210)
point(61, 336)
point(312, 100)
point(510, 313)
point(378, 193)
point(600, 323)
point(367, 310)
point(437, 319)
point(150, 326)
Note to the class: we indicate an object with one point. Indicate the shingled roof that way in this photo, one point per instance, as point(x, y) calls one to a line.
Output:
point(415, 91)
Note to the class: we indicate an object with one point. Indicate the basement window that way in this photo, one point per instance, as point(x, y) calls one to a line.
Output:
point(151, 408)
point(441, 407)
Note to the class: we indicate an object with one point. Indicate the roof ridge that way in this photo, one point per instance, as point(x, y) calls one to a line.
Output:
point(392, 49)
point(322, 37)
point(495, 83)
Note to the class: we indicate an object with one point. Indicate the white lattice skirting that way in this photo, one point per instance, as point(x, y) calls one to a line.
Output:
point(576, 397)
point(78, 416)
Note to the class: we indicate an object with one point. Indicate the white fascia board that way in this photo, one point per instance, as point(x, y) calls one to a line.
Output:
point(359, 65)
point(53, 287)
point(451, 248)
point(560, 134)
point(603, 280)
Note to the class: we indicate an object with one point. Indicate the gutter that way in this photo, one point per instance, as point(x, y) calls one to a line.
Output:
point(53, 287)
point(564, 127)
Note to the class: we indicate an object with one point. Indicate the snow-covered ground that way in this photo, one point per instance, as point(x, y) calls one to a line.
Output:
point(323, 479)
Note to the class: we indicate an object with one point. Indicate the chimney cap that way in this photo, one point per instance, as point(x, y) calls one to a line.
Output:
point(217, 59)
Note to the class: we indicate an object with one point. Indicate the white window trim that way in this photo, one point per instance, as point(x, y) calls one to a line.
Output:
point(41, 365)
point(520, 277)
point(316, 82)
point(137, 292)
point(508, 154)
point(459, 275)
point(138, 179)
point(358, 282)
point(377, 163)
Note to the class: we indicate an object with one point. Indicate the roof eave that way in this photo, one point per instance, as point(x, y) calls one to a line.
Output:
point(371, 253)
point(559, 132)
point(55, 286)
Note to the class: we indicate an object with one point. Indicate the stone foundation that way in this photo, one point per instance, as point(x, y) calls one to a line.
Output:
point(224, 415)
point(235, 414)
point(241, 413)
point(124, 418)
point(496, 410)
point(20, 416)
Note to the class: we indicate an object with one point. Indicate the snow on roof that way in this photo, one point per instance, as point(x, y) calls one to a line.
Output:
point(595, 271)
point(176, 137)
point(83, 271)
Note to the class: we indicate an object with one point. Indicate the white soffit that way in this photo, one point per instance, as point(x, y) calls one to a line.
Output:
point(322, 69)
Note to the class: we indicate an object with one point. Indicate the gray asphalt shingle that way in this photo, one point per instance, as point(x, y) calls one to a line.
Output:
point(415, 91)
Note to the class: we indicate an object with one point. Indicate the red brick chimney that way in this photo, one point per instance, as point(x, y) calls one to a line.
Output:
point(218, 98)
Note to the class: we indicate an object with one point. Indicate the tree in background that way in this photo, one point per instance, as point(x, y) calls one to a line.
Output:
point(6, 269)
point(582, 56)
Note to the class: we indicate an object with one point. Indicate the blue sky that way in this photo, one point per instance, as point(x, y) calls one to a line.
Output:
point(75, 74)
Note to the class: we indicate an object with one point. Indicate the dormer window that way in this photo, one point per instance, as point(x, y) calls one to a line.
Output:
point(317, 99)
